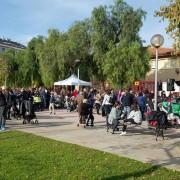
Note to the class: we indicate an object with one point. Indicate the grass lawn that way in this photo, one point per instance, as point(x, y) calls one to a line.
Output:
point(26, 156)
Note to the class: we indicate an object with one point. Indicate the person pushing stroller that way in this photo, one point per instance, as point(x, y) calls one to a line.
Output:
point(86, 114)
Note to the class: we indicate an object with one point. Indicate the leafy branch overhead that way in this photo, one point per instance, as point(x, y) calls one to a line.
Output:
point(171, 13)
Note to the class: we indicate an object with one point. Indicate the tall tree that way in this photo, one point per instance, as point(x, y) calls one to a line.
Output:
point(31, 65)
point(79, 38)
point(118, 48)
point(171, 12)
point(9, 66)
point(3, 70)
point(125, 64)
point(48, 61)
point(101, 37)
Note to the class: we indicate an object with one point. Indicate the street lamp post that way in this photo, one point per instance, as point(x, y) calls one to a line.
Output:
point(156, 41)
point(77, 61)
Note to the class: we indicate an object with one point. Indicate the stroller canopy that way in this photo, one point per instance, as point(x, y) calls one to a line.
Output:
point(72, 81)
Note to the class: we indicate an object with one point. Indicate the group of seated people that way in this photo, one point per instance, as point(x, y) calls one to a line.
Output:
point(116, 115)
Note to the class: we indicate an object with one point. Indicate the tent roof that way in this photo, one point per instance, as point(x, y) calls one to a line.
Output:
point(72, 81)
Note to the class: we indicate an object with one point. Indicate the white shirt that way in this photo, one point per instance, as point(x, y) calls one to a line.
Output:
point(136, 116)
point(106, 100)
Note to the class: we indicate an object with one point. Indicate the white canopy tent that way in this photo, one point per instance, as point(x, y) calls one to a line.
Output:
point(72, 81)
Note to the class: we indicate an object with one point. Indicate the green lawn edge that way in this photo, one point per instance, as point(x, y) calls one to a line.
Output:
point(28, 156)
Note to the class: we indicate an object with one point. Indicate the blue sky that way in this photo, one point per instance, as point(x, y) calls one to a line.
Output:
point(23, 19)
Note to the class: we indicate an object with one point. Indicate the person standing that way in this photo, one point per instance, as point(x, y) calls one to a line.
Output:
point(127, 100)
point(2, 109)
point(8, 97)
point(142, 104)
point(79, 101)
point(51, 104)
point(107, 105)
point(98, 102)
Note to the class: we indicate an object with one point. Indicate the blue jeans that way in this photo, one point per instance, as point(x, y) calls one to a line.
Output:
point(107, 109)
point(127, 110)
point(2, 119)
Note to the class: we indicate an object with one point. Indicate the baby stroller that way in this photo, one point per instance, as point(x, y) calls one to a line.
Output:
point(86, 115)
point(158, 121)
point(15, 113)
point(30, 115)
point(59, 102)
point(70, 106)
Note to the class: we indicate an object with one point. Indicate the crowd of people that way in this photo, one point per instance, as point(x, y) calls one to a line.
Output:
point(20, 103)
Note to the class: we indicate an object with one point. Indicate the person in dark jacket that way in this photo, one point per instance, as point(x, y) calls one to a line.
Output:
point(142, 104)
point(8, 97)
point(127, 100)
point(2, 108)
point(84, 112)
point(51, 104)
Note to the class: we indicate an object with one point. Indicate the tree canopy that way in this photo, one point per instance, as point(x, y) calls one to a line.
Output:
point(171, 12)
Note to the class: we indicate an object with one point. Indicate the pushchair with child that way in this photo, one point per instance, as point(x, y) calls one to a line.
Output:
point(70, 103)
point(158, 121)
point(86, 115)
point(30, 115)
point(15, 112)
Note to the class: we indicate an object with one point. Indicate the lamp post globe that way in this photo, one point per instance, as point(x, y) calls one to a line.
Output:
point(156, 41)
point(77, 61)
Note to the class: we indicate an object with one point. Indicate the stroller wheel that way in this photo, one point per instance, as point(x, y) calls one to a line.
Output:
point(84, 126)
point(78, 125)
point(107, 129)
point(32, 122)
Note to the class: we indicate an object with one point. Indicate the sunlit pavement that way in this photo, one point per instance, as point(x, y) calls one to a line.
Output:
point(139, 143)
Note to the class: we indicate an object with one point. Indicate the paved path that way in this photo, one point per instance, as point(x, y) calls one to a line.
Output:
point(139, 143)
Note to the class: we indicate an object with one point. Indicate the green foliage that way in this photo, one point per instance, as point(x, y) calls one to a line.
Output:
point(79, 39)
point(171, 13)
point(9, 67)
point(116, 41)
point(3, 70)
point(48, 61)
point(125, 64)
point(26, 156)
point(101, 38)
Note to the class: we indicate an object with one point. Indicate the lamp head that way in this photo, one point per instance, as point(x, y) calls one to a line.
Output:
point(157, 40)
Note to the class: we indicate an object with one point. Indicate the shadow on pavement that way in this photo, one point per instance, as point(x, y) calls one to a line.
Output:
point(41, 124)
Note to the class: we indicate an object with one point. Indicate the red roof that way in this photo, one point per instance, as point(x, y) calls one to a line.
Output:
point(162, 52)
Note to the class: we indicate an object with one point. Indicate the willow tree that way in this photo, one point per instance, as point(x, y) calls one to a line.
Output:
point(118, 49)
point(3, 70)
point(101, 37)
point(79, 38)
point(9, 67)
point(171, 12)
point(48, 62)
